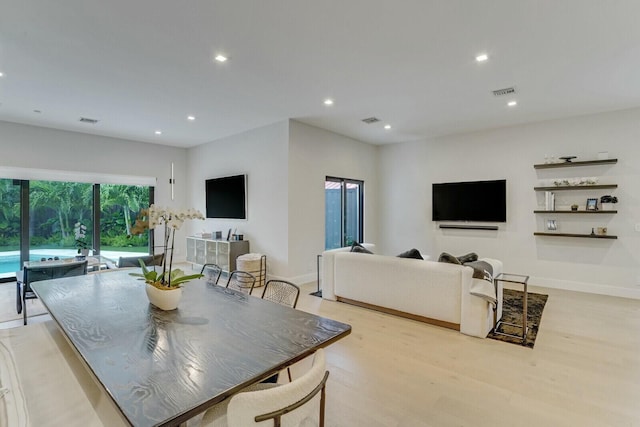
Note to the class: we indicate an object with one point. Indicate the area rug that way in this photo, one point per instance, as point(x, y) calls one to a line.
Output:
point(512, 313)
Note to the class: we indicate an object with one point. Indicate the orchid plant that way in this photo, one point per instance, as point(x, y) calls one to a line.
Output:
point(171, 220)
point(80, 231)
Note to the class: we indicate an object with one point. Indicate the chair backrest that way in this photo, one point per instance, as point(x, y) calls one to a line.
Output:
point(282, 292)
point(241, 281)
point(134, 261)
point(211, 273)
point(54, 271)
point(297, 403)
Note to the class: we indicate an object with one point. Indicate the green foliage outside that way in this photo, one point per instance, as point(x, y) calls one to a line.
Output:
point(55, 208)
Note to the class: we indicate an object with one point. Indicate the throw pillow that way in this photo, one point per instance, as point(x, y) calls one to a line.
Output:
point(446, 257)
point(358, 248)
point(470, 257)
point(411, 253)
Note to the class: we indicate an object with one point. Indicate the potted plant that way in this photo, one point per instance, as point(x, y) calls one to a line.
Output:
point(164, 287)
point(607, 202)
point(80, 231)
point(574, 207)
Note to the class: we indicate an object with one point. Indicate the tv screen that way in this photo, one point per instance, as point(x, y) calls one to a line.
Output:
point(470, 201)
point(226, 197)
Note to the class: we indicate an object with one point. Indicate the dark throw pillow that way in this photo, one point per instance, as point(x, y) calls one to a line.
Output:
point(358, 248)
point(411, 253)
point(445, 257)
point(470, 257)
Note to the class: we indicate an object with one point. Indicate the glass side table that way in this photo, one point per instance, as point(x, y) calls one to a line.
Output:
point(521, 280)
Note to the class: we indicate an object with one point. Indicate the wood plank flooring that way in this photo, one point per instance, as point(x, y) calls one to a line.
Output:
point(391, 371)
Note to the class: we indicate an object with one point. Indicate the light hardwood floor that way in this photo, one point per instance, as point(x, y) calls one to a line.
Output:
point(583, 371)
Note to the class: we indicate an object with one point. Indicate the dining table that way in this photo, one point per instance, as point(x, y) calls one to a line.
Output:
point(162, 368)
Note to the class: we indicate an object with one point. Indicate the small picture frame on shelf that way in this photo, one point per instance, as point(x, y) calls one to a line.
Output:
point(592, 204)
point(552, 225)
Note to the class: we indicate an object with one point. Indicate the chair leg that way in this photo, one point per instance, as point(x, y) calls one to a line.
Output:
point(18, 297)
point(24, 306)
point(289, 373)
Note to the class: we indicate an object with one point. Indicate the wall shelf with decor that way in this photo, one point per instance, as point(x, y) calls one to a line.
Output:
point(574, 185)
point(589, 236)
point(573, 164)
point(575, 212)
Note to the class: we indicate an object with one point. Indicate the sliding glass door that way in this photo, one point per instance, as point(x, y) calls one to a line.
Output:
point(119, 206)
point(344, 212)
point(9, 227)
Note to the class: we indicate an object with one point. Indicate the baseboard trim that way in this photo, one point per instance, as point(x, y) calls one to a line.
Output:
point(590, 288)
point(436, 322)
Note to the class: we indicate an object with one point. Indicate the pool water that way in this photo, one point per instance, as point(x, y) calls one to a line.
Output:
point(11, 263)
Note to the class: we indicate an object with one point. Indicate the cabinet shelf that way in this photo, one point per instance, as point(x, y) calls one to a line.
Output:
point(575, 212)
point(573, 164)
point(576, 187)
point(588, 236)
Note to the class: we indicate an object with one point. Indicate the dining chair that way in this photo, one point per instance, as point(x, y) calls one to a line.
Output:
point(134, 261)
point(44, 272)
point(282, 292)
point(212, 273)
point(241, 281)
point(299, 403)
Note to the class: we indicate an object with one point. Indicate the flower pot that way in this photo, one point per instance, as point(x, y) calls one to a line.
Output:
point(164, 299)
point(84, 252)
point(606, 206)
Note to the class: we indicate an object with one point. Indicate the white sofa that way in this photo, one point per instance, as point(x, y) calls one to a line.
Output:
point(433, 292)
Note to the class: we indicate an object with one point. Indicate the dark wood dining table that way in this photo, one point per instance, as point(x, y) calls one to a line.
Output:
point(162, 368)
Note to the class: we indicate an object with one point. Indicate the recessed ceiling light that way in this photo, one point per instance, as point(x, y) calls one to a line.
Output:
point(482, 57)
point(328, 101)
point(158, 132)
point(221, 58)
point(512, 103)
point(191, 118)
point(1, 74)
point(387, 127)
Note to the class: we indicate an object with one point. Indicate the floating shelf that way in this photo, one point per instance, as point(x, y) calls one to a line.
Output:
point(588, 236)
point(576, 187)
point(572, 164)
point(576, 212)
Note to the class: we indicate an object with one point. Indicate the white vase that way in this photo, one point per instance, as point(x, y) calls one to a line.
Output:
point(164, 299)
point(606, 206)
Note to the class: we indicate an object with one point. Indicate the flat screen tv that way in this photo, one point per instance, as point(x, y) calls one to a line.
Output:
point(470, 201)
point(226, 197)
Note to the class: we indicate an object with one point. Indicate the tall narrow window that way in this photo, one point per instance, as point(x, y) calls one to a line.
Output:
point(344, 212)
point(9, 227)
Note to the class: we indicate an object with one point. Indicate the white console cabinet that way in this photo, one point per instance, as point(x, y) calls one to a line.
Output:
point(221, 252)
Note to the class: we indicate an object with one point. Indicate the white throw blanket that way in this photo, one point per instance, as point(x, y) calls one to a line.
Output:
point(484, 288)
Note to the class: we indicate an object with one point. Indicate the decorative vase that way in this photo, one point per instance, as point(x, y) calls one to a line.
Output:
point(606, 206)
point(84, 252)
point(164, 299)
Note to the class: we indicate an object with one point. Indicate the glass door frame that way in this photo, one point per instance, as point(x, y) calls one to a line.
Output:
point(343, 208)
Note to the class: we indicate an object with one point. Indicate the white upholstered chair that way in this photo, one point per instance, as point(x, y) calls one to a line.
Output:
point(296, 404)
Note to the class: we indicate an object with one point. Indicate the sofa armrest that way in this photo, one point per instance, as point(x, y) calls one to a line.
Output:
point(328, 269)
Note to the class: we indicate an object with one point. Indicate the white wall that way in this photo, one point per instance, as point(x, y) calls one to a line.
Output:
point(314, 154)
point(33, 147)
point(603, 266)
point(262, 155)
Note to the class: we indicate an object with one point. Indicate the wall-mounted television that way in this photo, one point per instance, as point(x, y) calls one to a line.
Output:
point(470, 201)
point(226, 197)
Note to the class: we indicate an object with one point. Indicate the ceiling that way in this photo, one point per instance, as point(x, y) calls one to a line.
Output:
point(145, 65)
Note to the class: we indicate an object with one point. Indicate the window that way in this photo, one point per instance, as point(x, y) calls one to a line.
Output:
point(38, 219)
point(343, 212)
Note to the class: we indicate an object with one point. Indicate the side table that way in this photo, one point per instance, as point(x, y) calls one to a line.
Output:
point(522, 280)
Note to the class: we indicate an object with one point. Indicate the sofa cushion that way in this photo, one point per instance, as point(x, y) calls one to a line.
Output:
point(470, 257)
point(411, 253)
point(446, 257)
point(357, 247)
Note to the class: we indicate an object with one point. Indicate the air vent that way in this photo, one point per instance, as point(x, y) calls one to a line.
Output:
point(88, 120)
point(505, 91)
point(371, 120)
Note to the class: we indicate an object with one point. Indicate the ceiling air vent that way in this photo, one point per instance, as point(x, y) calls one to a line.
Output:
point(371, 120)
point(88, 120)
point(505, 91)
